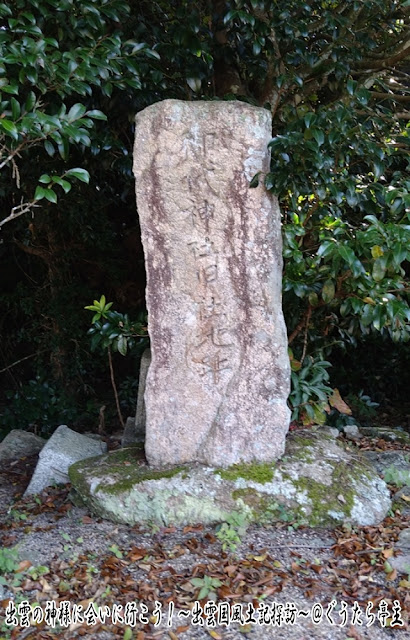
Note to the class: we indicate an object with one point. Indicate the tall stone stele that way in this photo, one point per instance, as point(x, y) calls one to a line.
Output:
point(219, 379)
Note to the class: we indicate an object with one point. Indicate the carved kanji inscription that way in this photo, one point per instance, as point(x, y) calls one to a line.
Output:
point(217, 386)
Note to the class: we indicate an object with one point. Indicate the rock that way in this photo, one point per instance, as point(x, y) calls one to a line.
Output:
point(129, 437)
point(402, 500)
point(141, 416)
point(317, 482)
point(401, 563)
point(403, 541)
point(219, 378)
point(18, 444)
point(352, 431)
point(330, 431)
point(394, 465)
point(134, 431)
point(387, 433)
point(63, 449)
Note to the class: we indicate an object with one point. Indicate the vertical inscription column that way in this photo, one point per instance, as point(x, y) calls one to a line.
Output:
point(219, 378)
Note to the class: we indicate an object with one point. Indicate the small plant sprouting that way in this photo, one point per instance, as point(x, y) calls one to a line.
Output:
point(8, 560)
point(115, 550)
point(36, 572)
point(207, 586)
point(229, 533)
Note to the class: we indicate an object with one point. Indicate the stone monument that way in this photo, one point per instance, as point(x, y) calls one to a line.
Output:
point(218, 382)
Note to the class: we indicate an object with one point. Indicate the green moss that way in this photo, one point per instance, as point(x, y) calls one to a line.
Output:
point(248, 496)
point(126, 483)
point(321, 501)
point(325, 500)
point(123, 465)
point(261, 473)
point(265, 509)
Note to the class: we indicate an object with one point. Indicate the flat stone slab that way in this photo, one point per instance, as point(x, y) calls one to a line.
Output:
point(63, 449)
point(387, 433)
point(396, 464)
point(317, 482)
point(18, 444)
point(218, 382)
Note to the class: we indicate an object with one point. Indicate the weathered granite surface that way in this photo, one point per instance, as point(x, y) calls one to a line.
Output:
point(317, 482)
point(134, 430)
point(219, 378)
point(19, 443)
point(63, 449)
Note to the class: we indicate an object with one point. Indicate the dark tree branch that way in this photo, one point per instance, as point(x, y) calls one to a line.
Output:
point(378, 95)
point(384, 62)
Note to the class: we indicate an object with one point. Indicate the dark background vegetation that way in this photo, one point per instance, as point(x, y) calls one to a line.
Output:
point(335, 75)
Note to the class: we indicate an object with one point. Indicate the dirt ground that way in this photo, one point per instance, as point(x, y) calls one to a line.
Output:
point(290, 576)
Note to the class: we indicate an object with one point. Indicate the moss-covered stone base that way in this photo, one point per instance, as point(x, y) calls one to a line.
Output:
point(317, 482)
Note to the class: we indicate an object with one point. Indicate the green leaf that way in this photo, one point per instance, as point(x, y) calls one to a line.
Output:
point(66, 186)
point(230, 15)
point(11, 88)
point(122, 345)
point(50, 195)
point(63, 148)
point(5, 10)
point(328, 291)
point(97, 115)
point(309, 118)
point(203, 593)
point(319, 136)
point(399, 254)
point(80, 174)
point(397, 205)
point(49, 147)
point(347, 254)
point(30, 101)
point(326, 248)
point(15, 108)
point(256, 48)
point(269, 181)
point(45, 179)
point(76, 111)
point(194, 84)
point(379, 269)
point(197, 582)
point(351, 86)
point(128, 634)
point(255, 180)
point(10, 128)
point(378, 168)
point(40, 193)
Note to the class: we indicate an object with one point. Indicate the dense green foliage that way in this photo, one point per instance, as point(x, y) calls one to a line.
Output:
point(335, 75)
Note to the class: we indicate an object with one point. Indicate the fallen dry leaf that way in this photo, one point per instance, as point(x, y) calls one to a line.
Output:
point(392, 575)
point(87, 520)
point(338, 403)
point(23, 566)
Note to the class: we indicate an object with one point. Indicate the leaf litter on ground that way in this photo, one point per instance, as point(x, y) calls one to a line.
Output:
point(72, 555)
